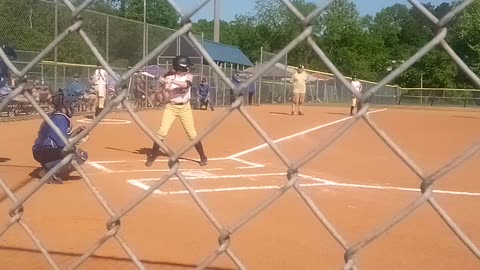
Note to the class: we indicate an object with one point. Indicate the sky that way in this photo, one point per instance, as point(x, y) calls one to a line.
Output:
point(229, 8)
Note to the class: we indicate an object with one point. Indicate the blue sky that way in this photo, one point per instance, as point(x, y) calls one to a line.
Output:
point(229, 8)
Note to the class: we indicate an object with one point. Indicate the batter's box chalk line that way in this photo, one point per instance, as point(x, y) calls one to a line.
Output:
point(101, 165)
point(140, 183)
point(106, 121)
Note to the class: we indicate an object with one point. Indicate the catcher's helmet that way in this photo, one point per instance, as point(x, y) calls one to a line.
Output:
point(182, 63)
point(66, 100)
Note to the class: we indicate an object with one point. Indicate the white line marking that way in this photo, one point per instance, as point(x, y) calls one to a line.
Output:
point(143, 160)
point(197, 173)
point(252, 165)
point(165, 170)
point(107, 121)
point(143, 186)
point(211, 190)
point(403, 189)
point(296, 135)
point(321, 182)
point(100, 167)
point(217, 176)
point(317, 179)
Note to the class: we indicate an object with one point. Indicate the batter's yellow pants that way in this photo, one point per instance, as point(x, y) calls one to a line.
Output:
point(184, 113)
point(101, 90)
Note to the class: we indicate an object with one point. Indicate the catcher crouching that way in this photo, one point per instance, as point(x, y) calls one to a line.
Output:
point(47, 148)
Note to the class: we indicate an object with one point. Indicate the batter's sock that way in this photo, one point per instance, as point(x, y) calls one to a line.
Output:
point(155, 149)
point(153, 155)
point(203, 157)
point(351, 110)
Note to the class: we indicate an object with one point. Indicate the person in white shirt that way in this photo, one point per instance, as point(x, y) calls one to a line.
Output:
point(178, 85)
point(299, 80)
point(100, 81)
point(358, 87)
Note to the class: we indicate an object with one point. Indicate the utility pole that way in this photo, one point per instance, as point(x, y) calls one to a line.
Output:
point(216, 23)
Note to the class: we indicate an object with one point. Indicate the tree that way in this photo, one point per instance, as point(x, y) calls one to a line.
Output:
point(159, 12)
point(465, 39)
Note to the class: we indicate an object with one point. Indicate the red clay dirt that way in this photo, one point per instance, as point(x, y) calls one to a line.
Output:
point(369, 185)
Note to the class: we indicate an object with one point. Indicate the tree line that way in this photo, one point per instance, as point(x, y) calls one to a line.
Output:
point(369, 46)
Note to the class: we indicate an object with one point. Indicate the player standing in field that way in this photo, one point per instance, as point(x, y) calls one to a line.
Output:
point(178, 85)
point(100, 81)
point(299, 80)
point(203, 93)
point(358, 87)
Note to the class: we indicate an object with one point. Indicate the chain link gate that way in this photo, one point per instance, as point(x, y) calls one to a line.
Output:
point(426, 181)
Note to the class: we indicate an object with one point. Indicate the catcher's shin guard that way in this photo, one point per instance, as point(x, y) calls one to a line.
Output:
point(81, 156)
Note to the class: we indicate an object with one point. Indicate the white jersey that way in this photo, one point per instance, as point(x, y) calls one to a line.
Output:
point(357, 86)
point(171, 87)
point(100, 77)
point(299, 81)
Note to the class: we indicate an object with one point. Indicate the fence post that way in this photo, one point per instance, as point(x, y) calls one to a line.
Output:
point(273, 89)
point(107, 37)
point(55, 52)
point(201, 65)
point(260, 78)
point(285, 80)
point(144, 28)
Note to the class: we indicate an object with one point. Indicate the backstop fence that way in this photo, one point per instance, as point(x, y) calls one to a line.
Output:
point(76, 31)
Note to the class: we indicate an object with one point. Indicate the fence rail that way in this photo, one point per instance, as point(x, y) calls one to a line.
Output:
point(77, 29)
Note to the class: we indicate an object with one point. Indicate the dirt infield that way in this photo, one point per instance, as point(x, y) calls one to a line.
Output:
point(358, 183)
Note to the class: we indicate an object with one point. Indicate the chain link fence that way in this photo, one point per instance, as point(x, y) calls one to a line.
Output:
point(76, 28)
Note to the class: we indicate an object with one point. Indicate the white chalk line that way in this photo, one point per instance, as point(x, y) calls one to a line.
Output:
point(252, 164)
point(106, 121)
point(215, 176)
point(142, 160)
point(100, 167)
point(297, 134)
point(228, 189)
point(166, 170)
point(404, 189)
point(97, 165)
point(321, 182)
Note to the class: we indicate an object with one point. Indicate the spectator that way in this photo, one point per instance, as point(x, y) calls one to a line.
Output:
point(76, 87)
point(236, 81)
point(299, 80)
point(251, 92)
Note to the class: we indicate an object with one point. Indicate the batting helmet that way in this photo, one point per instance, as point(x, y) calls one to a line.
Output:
point(182, 63)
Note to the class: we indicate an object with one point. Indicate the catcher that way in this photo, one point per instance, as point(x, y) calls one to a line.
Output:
point(47, 148)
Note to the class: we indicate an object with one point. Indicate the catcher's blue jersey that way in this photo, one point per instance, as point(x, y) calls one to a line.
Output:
point(47, 136)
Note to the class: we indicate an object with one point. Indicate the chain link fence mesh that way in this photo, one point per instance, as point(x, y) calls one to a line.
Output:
point(76, 29)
